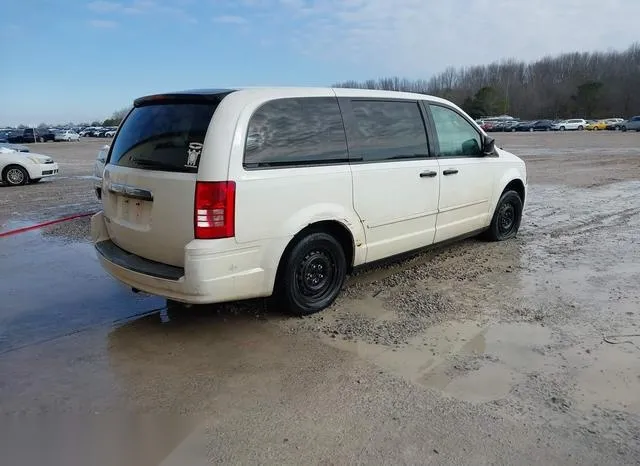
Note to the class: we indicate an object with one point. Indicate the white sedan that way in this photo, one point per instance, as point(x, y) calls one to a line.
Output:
point(18, 168)
point(67, 135)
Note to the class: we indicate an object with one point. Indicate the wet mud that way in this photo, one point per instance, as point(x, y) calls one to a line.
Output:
point(518, 326)
point(527, 348)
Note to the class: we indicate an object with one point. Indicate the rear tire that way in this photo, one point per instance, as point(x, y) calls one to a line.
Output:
point(15, 175)
point(311, 274)
point(506, 218)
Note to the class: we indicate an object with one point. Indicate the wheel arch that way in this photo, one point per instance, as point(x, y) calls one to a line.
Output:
point(516, 185)
point(511, 180)
point(6, 168)
point(335, 228)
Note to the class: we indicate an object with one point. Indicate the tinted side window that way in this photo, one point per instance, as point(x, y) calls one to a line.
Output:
point(388, 130)
point(296, 131)
point(456, 136)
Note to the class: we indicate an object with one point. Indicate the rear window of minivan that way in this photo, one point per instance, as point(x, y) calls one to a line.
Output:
point(164, 136)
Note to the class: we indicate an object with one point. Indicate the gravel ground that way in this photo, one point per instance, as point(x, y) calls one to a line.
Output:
point(534, 338)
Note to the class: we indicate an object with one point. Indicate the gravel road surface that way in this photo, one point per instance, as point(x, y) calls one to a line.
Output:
point(521, 352)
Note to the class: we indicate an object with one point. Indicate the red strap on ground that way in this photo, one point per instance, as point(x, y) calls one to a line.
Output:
point(44, 224)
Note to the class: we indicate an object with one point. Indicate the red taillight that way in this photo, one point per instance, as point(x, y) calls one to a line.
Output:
point(214, 210)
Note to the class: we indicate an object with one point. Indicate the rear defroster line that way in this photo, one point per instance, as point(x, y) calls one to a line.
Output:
point(44, 224)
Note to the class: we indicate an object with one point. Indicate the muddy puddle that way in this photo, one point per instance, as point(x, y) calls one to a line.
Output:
point(519, 325)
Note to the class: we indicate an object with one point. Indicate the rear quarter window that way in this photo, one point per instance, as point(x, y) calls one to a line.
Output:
point(163, 136)
point(296, 131)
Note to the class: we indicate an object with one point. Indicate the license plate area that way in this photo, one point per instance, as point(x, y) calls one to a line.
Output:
point(133, 211)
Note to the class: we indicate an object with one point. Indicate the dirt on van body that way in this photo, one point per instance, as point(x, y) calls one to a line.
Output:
point(523, 352)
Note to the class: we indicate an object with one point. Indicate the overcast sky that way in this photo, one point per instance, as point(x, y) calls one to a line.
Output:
point(80, 60)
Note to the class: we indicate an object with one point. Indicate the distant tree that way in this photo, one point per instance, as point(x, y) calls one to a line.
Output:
point(597, 84)
point(95, 123)
point(43, 126)
point(587, 97)
point(470, 105)
point(117, 117)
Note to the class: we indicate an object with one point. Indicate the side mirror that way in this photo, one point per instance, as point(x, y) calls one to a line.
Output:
point(488, 146)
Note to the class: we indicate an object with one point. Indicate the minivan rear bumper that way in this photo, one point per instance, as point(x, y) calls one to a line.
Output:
point(213, 272)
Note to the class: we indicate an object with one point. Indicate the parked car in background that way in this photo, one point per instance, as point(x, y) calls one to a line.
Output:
point(574, 124)
point(110, 133)
point(67, 135)
point(539, 125)
point(599, 125)
point(509, 125)
point(91, 131)
point(632, 124)
point(520, 124)
point(613, 124)
point(18, 168)
point(488, 125)
point(192, 218)
point(31, 135)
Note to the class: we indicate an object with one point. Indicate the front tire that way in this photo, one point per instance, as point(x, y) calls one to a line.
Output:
point(312, 274)
point(15, 175)
point(506, 218)
point(580, 128)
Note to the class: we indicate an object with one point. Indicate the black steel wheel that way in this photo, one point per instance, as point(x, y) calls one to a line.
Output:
point(312, 274)
point(15, 175)
point(506, 218)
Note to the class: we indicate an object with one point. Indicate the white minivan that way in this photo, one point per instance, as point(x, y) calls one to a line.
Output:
point(220, 195)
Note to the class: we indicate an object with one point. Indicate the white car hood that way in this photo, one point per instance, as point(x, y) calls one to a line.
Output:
point(27, 155)
point(18, 147)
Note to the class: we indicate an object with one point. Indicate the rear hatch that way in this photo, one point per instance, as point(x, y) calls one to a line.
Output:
point(150, 176)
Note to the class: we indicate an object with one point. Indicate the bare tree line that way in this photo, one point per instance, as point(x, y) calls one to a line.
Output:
point(579, 84)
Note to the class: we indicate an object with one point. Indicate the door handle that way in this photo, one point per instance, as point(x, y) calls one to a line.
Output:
point(451, 171)
point(428, 174)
